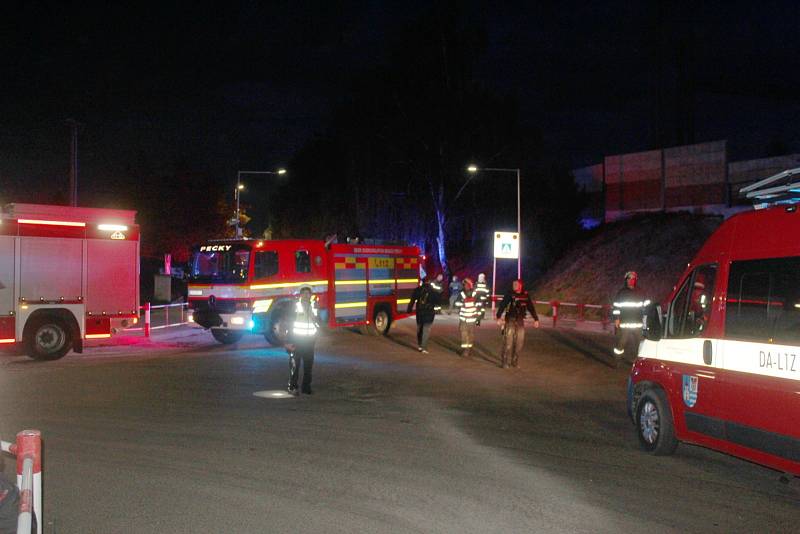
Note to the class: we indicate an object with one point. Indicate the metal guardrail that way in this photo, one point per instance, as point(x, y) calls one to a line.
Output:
point(580, 310)
point(28, 450)
point(164, 318)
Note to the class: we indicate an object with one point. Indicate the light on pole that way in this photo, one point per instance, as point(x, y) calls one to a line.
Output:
point(475, 169)
point(240, 188)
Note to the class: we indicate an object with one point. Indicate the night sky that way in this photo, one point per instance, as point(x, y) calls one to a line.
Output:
point(223, 88)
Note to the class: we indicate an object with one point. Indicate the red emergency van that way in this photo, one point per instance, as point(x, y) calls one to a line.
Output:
point(66, 274)
point(248, 286)
point(721, 367)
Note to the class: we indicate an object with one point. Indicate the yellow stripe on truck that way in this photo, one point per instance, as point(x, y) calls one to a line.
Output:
point(290, 284)
point(351, 305)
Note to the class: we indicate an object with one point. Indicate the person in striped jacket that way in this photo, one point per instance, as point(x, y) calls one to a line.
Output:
point(469, 309)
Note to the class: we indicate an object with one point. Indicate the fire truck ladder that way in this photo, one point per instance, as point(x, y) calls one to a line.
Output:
point(781, 188)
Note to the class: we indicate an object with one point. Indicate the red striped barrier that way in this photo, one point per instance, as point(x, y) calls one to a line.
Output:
point(28, 450)
point(580, 309)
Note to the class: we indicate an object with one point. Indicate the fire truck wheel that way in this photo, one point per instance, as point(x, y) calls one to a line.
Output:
point(381, 322)
point(276, 329)
point(48, 338)
point(654, 424)
point(226, 337)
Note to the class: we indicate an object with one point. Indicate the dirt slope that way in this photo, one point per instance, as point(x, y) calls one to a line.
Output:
point(656, 246)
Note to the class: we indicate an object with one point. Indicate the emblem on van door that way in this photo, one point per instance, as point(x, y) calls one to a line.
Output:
point(690, 386)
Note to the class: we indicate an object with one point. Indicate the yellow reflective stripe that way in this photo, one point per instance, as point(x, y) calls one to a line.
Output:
point(407, 280)
point(290, 284)
point(383, 281)
point(350, 282)
point(403, 301)
point(351, 305)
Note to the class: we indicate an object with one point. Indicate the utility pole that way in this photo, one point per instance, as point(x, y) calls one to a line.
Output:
point(73, 162)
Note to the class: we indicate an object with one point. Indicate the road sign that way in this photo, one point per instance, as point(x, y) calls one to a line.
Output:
point(506, 245)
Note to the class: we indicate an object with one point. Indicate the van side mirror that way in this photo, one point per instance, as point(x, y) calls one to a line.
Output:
point(653, 321)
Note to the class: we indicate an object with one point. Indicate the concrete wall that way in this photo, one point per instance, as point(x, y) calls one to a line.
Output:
point(695, 175)
point(633, 181)
point(692, 177)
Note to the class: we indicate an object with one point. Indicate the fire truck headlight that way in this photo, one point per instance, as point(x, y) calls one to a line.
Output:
point(262, 306)
point(190, 318)
point(237, 320)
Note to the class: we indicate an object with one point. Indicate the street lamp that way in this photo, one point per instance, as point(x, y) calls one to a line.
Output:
point(240, 187)
point(474, 169)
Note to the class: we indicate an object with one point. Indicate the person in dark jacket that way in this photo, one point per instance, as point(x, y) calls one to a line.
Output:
point(426, 298)
point(629, 308)
point(304, 325)
point(516, 303)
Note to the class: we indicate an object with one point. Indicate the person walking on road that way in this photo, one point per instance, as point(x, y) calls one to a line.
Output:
point(483, 292)
point(629, 308)
point(302, 338)
point(425, 297)
point(515, 304)
point(468, 312)
point(455, 291)
point(438, 287)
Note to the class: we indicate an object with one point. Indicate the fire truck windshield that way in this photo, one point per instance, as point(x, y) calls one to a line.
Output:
point(226, 266)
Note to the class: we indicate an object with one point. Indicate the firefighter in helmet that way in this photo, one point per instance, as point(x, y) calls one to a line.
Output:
point(515, 304)
point(483, 292)
point(468, 312)
point(629, 308)
point(302, 338)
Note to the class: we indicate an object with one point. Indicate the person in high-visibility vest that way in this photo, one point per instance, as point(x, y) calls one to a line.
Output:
point(468, 306)
point(438, 287)
point(304, 325)
point(628, 312)
point(484, 294)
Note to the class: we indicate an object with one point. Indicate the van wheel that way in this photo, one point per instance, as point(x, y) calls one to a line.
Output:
point(48, 338)
point(654, 424)
point(276, 328)
point(381, 322)
point(226, 337)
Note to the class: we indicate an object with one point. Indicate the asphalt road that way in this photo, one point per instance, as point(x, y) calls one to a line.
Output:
point(169, 437)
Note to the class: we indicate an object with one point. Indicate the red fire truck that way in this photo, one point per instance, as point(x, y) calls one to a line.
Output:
point(248, 286)
point(721, 367)
point(66, 274)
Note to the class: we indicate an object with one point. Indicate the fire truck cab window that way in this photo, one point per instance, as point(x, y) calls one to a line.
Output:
point(302, 261)
point(764, 301)
point(266, 264)
point(690, 311)
point(230, 266)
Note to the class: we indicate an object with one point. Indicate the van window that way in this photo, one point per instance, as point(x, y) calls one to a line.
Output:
point(266, 263)
point(302, 261)
point(691, 309)
point(764, 301)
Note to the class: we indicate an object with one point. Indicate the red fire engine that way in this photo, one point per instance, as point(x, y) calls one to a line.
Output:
point(66, 274)
point(721, 368)
point(248, 286)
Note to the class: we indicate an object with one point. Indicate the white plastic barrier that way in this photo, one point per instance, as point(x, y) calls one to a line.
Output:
point(28, 450)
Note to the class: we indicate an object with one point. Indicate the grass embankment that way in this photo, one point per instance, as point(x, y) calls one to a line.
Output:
point(656, 246)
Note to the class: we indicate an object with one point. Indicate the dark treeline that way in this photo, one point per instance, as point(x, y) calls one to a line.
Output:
point(392, 163)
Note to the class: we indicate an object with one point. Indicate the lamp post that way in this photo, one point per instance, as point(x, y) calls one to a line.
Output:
point(474, 169)
point(240, 188)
